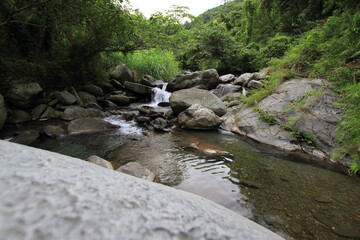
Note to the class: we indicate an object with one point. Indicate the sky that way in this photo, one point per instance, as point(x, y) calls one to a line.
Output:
point(148, 7)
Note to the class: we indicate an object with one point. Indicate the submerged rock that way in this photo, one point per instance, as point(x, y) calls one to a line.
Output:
point(100, 162)
point(53, 131)
point(209, 79)
point(76, 112)
point(26, 137)
point(183, 99)
point(87, 125)
point(198, 117)
point(136, 170)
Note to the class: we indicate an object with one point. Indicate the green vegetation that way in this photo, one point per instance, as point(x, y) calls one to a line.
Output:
point(60, 43)
point(161, 64)
point(266, 117)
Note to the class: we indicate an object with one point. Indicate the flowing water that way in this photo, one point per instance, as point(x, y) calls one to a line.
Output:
point(287, 195)
point(159, 95)
point(296, 200)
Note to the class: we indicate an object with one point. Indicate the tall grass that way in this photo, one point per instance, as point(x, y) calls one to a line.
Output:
point(332, 52)
point(160, 64)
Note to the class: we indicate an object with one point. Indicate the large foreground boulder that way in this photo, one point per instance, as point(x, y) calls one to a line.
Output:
point(45, 195)
point(198, 117)
point(87, 125)
point(21, 95)
point(208, 79)
point(3, 113)
point(183, 99)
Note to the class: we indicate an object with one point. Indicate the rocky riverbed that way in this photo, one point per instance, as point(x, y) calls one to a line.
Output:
point(152, 137)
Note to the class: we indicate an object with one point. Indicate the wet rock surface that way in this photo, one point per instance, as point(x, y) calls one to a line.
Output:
point(207, 79)
point(88, 125)
point(199, 117)
point(183, 99)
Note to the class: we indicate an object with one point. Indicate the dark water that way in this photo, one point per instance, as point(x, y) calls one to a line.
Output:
point(296, 200)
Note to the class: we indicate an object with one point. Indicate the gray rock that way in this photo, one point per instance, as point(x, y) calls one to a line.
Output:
point(53, 103)
point(26, 137)
point(108, 104)
point(38, 111)
point(76, 112)
point(3, 113)
point(93, 89)
point(61, 197)
point(51, 113)
point(100, 162)
point(148, 80)
point(65, 97)
point(122, 74)
point(136, 170)
point(183, 99)
point(244, 79)
point(116, 84)
point(208, 78)
point(255, 84)
point(128, 116)
point(18, 116)
point(227, 78)
point(53, 131)
point(87, 125)
point(87, 97)
point(94, 106)
point(246, 122)
point(198, 117)
point(21, 95)
point(160, 124)
point(316, 115)
point(223, 89)
point(159, 83)
point(138, 88)
point(142, 119)
point(107, 86)
point(76, 95)
point(231, 96)
point(120, 100)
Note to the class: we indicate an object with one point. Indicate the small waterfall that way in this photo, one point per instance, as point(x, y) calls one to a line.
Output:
point(159, 95)
point(244, 92)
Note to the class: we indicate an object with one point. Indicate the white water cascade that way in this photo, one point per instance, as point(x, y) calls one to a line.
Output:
point(159, 95)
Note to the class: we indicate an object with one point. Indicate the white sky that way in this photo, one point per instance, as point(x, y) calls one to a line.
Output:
point(148, 7)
